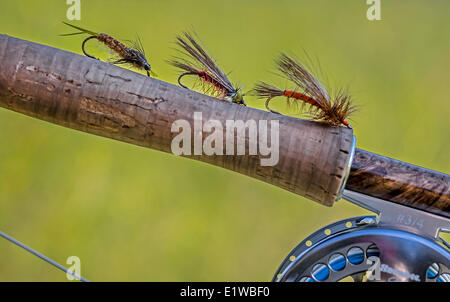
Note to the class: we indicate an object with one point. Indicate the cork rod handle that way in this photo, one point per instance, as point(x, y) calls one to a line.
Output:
point(102, 99)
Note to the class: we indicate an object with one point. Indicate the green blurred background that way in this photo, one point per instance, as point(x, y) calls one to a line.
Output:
point(133, 214)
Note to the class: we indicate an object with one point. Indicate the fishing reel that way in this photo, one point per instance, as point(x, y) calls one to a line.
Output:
point(399, 244)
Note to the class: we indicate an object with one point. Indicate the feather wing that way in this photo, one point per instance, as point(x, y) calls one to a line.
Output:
point(199, 57)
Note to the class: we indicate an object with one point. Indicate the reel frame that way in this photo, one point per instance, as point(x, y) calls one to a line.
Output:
point(398, 244)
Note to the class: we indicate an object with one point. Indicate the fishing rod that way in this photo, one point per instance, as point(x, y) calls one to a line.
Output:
point(317, 161)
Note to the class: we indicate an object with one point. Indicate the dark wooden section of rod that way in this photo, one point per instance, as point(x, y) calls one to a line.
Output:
point(400, 182)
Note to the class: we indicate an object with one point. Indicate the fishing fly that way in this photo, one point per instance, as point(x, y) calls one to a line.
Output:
point(198, 63)
point(315, 96)
point(134, 56)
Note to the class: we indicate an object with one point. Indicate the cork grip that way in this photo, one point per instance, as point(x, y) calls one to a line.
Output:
point(102, 99)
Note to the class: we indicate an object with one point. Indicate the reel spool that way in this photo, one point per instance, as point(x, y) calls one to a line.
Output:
point(401, 244)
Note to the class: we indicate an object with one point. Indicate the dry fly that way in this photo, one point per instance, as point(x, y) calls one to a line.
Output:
point(128, 55)
point(320, 106)
point(213, 81)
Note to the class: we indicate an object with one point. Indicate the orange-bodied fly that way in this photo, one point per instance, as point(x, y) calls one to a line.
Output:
point(198, 63)
point(128, 55)
point(321, 107)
